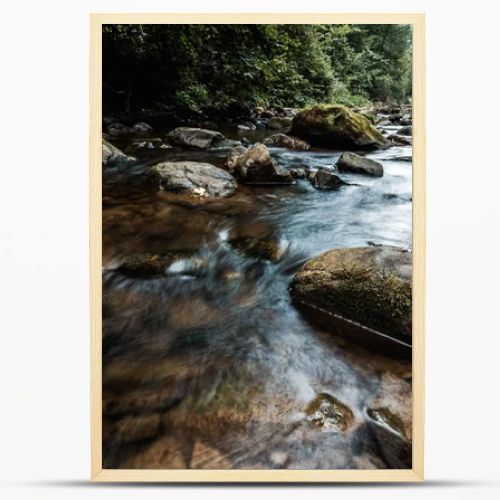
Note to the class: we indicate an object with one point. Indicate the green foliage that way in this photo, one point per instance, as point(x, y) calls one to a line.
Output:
point(221, 65)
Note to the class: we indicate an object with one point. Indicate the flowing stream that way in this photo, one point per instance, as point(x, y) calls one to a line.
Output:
point(213, 348)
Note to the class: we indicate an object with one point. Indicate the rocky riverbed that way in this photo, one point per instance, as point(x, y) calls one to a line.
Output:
point(214, 237)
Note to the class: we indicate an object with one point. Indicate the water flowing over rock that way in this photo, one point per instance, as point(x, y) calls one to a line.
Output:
point(323, 179)
point(285, 141)
point(336, 126)
point(198, 138)
point(360, 293)
point(112, 156)
point(256, 166)
point(327, 412)
point(193, 178)
point(390, 413)
point(356, 164)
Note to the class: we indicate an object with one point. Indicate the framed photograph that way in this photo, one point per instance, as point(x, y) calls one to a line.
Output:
point(257, 247)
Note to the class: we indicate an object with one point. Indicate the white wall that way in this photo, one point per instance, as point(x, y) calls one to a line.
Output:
point(44, 446)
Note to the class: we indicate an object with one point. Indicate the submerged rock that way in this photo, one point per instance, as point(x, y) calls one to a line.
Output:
point(356, 164)
point(360, 293)
point(206, 457)
point(285, 141)
point(268, 249)
point(390, 413)
point(193, 178)
point(336, 126)
point(329, 413)
point(323, 179)
point(112, 156)
point(135, 428)
point(196, 137)
point(256, 166)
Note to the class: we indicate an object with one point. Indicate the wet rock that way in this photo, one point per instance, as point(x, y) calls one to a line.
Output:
point(400, 139)
point(207, 457)
point(149, 265)
point(256, 166)
point(298, 172)
point(193, 178)
point(198, 138)
point(279, 122)
point(328, 413)
point(285, 141)
point(232, 155)
point(142, 128)
point(116, 129)
point(390, 413)
point(135, 428)
point(408, 130)
point(359, 292)
point(336, 126)
point(112, 156)
point(140, 401)
point(323, 179)
point(356, 164)
point(246, 126)
point(268, 249)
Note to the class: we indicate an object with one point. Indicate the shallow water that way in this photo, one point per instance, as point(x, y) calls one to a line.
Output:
point(214, 348)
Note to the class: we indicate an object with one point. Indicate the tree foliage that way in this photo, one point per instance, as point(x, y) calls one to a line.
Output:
point(194, 65)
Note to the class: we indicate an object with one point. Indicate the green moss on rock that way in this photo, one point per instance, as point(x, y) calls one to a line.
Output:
point(337, 126)
point(371, 286)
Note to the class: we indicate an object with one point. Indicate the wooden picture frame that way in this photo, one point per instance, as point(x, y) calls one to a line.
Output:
point(98, 473)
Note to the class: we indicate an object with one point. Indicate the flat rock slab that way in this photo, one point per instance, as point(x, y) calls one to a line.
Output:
point(194, 179)
point(363, 293)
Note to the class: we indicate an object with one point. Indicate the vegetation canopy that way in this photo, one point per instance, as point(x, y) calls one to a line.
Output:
point(195, 66)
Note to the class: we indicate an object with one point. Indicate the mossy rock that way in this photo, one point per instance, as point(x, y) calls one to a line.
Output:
point(336, 126)
point(370, 287)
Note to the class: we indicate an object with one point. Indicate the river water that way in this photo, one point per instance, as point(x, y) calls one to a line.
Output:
point(213, 351)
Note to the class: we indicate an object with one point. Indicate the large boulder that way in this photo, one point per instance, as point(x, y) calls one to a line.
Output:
point(364, 294)
point(256, 166)
point(356, 164)
point(390, 419)
point(285, 141)
point(198, 138)
point(323, 179)
point(193, 178)
point(335, 126)
point(112, 156)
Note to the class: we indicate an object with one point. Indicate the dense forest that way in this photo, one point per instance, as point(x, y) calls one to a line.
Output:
point(194, 67)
